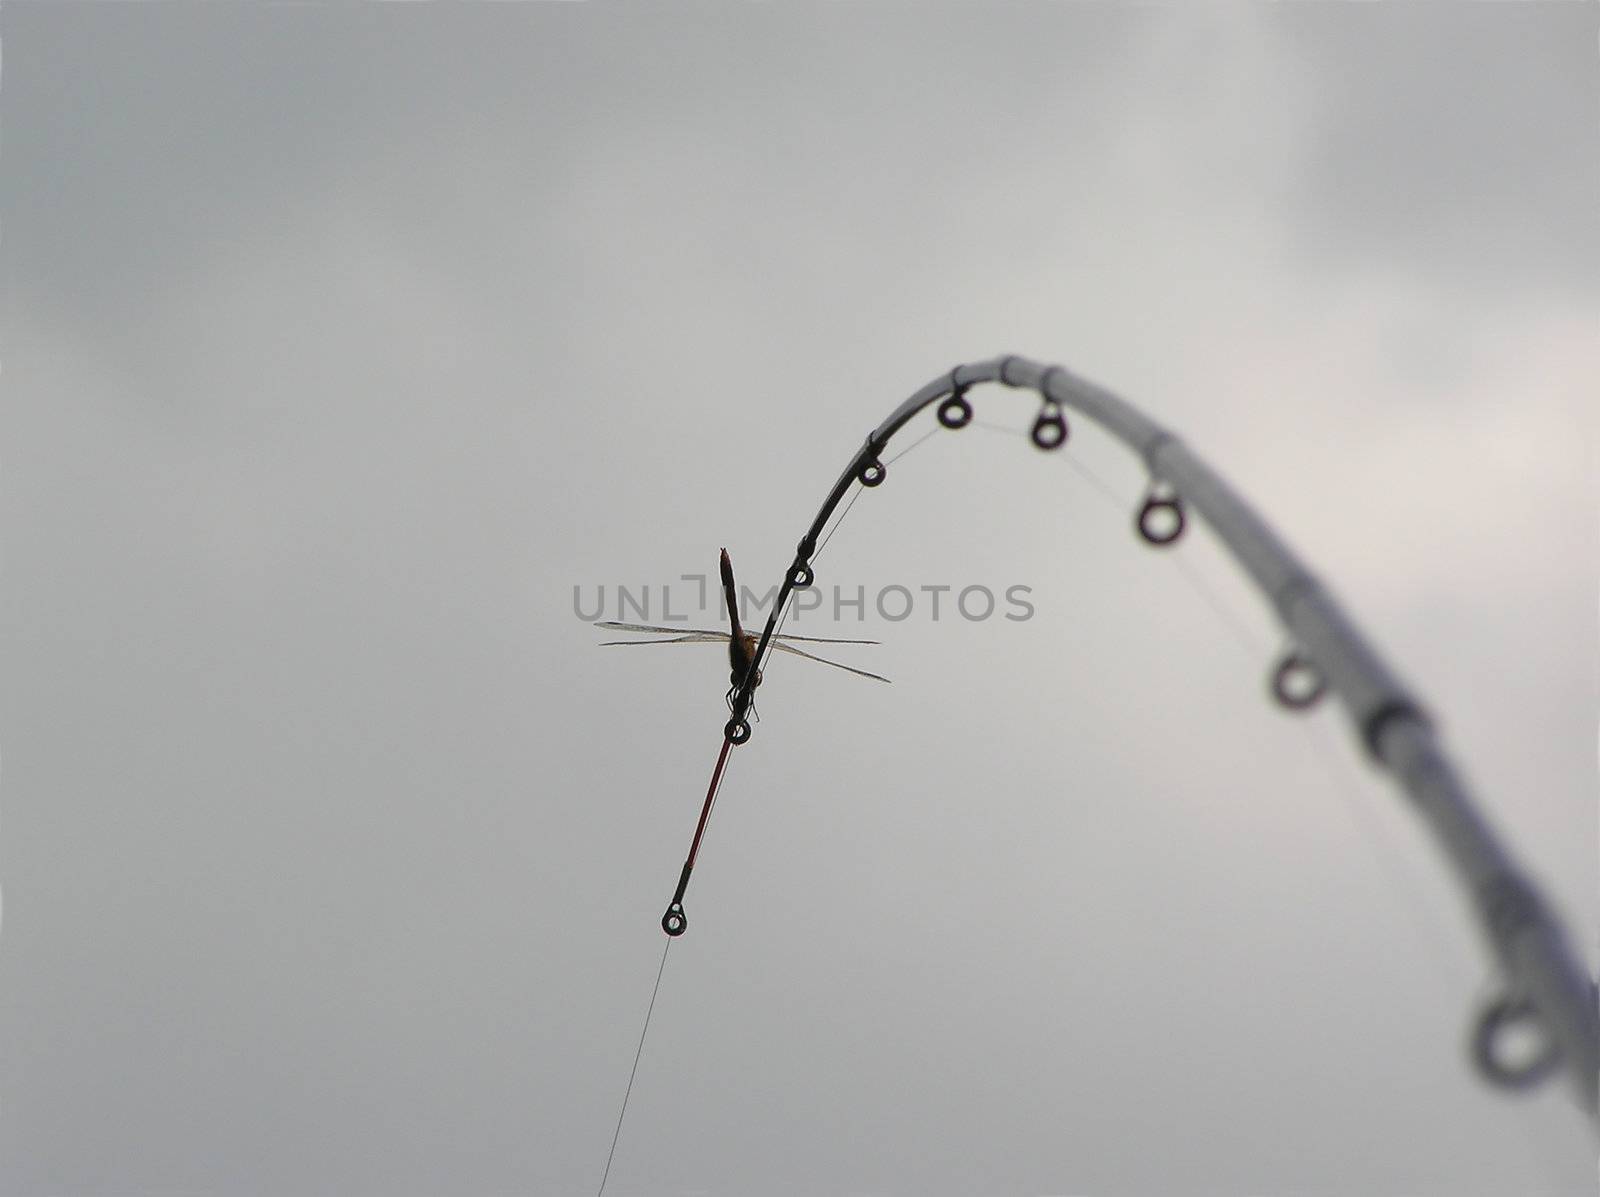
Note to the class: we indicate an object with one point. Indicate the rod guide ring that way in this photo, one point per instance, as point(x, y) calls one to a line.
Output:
point(1050, 429)
point(955, 411)
point(1296, 683)
point(675, 922)
point(1488, 1038)
point(1155, 505)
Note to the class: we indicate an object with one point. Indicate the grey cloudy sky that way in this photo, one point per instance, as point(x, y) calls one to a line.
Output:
point(341, 343)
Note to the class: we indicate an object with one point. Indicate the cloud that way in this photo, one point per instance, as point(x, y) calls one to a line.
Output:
point(1458, 147)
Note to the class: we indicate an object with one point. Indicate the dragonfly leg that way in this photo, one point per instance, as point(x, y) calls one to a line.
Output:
point(733, 694)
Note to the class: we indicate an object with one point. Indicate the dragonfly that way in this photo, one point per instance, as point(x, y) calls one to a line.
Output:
point(741, 644)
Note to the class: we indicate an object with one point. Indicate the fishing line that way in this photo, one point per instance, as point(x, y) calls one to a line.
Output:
point(1398, 873)
point(931, 432)
point(1543, 976)
point(1099, 483)
point(1399, 876)
point(788, 607)
point(1242, 635)
point(622, 1113)
point(861, 490)
point(718, 777)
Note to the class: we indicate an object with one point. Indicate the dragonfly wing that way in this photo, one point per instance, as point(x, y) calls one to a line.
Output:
point(800, 652)
point(693, 638)
point(822, 639)
point(612, 625)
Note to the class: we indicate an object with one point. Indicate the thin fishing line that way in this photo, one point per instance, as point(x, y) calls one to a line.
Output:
point(1380, 841)
point(1390, 860)
point(1245, 638)
point(622, 1113)
point(931, 432)
point(993, 427)
point(1427, 923)
point(1229, 617)
point(783, 618)
point(1398, 877)
point(1100, 484)
point(861, 490)
point(721, 779)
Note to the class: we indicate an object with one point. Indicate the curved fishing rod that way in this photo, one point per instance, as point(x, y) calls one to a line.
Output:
point(1547, 988)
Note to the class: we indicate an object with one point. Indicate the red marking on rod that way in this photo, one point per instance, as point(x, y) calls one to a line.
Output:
point(711, 795)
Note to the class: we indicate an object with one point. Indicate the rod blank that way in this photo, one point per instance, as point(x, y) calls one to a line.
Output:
point(1523, 933)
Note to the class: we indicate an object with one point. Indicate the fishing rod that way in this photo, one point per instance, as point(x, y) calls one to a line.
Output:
point(1547, 989)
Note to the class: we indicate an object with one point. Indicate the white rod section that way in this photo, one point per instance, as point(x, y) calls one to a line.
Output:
point(1522, 931)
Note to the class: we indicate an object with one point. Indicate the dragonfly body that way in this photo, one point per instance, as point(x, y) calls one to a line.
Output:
point(741, 645)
